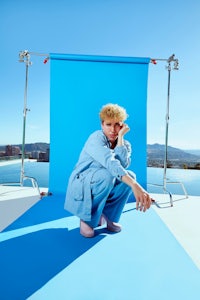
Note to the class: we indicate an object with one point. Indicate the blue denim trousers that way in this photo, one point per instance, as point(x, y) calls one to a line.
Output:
point(109, 196)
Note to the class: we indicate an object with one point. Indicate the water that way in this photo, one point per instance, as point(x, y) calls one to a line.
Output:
point(40, 171)
point(190, 179)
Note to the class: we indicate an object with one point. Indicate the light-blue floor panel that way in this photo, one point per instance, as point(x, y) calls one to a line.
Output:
point(49, 260)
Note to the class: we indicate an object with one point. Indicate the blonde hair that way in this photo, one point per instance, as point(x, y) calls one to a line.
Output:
point(113, 111)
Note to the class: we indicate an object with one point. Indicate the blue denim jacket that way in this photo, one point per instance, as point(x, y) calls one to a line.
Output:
point(95, 154)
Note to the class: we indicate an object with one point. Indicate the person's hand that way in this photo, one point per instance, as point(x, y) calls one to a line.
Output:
point(143, 199)
point(124, 129)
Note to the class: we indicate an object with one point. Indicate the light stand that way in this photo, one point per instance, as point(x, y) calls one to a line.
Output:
point(175, 62)
point(169, 68)
point(24, 56)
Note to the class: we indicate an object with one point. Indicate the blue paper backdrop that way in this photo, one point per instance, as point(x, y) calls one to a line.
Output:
point(79, 86)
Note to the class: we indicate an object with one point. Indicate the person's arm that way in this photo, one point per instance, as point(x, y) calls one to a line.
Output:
point(122, 132)
point(123, 148)
point(143, 199)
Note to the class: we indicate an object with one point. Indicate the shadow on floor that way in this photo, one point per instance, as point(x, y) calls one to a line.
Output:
point(28, 262)
point(47, 209)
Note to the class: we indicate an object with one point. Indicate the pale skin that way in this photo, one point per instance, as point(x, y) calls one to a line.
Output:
point(115, 131)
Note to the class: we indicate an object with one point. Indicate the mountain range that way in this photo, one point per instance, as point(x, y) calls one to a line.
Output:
point(155, 153)
point(158, 151)
point(176, 158)
point(42, 147)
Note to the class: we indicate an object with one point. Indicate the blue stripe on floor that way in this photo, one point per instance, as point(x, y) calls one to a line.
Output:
point(48, 259)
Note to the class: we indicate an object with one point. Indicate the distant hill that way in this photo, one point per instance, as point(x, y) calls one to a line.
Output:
point(31, 147)
point(176, 158)
point(157, 151)
point(194, 151)
point(37, 147)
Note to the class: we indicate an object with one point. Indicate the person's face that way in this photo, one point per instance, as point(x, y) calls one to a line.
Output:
point(111, 129)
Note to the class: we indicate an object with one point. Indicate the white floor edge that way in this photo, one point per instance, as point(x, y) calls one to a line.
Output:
point(15, 201)
point(183, 221)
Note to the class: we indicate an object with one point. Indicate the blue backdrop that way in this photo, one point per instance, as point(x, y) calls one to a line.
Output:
point(79, 86)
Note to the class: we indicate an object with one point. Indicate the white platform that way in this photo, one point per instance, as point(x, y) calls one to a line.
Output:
point(183, 220)
point(14, 201)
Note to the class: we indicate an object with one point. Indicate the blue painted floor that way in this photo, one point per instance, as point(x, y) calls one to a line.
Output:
point(43, 257)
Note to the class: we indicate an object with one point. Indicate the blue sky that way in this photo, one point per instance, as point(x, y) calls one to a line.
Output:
point(154, 29)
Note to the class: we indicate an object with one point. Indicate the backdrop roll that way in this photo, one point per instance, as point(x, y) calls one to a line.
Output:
point(79, 86)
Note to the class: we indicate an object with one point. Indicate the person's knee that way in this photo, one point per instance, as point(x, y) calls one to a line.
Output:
point(103, 177)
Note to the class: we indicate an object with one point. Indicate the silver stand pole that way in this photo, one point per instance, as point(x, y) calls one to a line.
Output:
point(24, 56)
point(167, 127)
point(165, 180)
point(170, 59)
